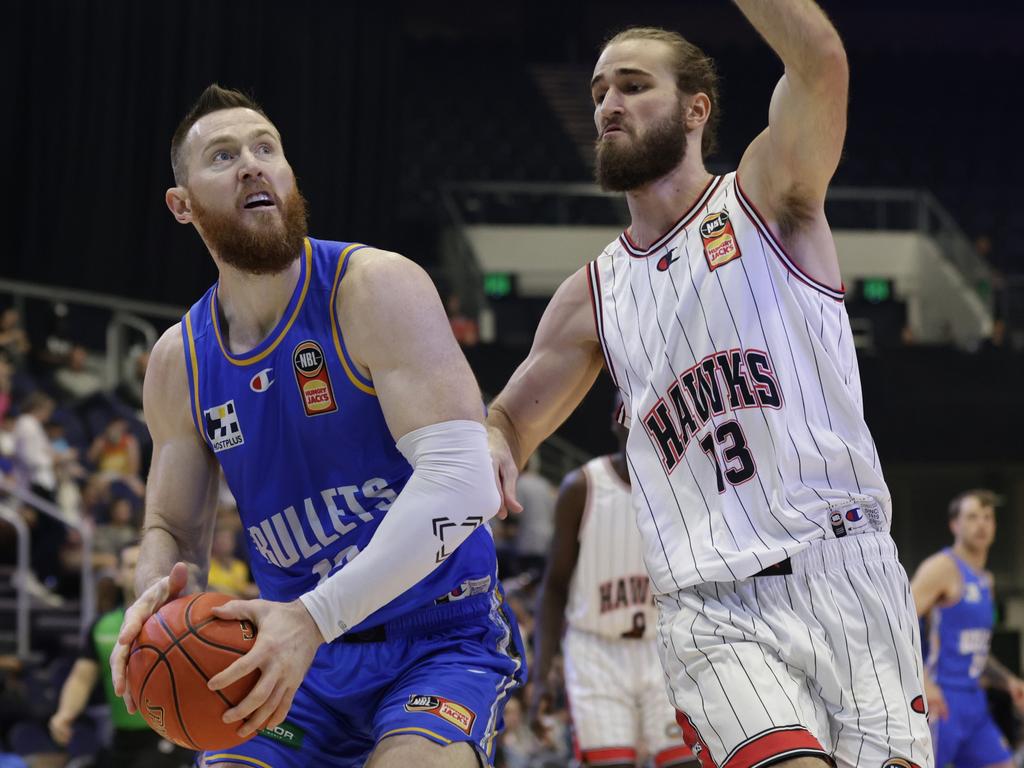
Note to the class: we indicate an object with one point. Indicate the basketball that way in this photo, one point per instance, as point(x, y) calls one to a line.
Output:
point(178, 650)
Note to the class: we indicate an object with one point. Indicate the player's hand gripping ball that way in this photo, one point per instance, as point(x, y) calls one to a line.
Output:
point(178, 650)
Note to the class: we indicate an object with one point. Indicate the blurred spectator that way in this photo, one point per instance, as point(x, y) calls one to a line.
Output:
point(67, 469)
point(983, 245)
point(80, 377)
point(35, 458)
point(113, 535)
point(6, 373)
point(134, 744)
point(129, 391)
point(520, 747)
point(115, 454)
point(536, 521)
point(13, 339)
point(57, 346)
point(228, 574)
point(7, 449)
point(32, 446)
point(13, 697)
point(997, 342)
point(463, 327)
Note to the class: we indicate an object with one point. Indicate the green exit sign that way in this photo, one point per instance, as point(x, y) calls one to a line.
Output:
point(876, 289)
point(498, 285)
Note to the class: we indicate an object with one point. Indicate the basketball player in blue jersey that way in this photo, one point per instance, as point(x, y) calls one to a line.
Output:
point(953, 589)
point(323, 379)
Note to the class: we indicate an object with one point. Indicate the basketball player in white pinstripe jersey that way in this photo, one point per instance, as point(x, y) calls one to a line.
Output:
point(787, 630)
point(596, 583)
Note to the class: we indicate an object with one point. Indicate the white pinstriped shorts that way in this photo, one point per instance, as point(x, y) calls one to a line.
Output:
point(825, 661)
point(618, 700)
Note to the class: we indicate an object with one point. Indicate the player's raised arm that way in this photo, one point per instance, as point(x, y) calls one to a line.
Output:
point(180, 499)
point(786, 170)
point(560, 369)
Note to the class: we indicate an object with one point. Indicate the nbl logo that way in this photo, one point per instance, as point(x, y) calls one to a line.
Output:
point(309, 359)
point(313, 378)
point(222, 427)
point(720, 245)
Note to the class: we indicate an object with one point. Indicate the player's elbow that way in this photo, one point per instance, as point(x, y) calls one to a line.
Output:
point(829, 66)
point(823, 67)
point(484, 498)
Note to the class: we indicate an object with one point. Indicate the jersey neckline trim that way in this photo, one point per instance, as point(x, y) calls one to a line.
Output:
point(980, 575)
point(634, 250)
point(269, 344)
point(622, 484)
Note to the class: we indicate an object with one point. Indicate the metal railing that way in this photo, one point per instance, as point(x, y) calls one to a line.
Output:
point(87, 602)
point(88, 299)
point(22, 571)
point(125, 316)
point(116, 346)
point(568, 204)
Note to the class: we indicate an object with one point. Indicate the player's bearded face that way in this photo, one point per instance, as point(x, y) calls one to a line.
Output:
point(260, 241)
point(631, 161)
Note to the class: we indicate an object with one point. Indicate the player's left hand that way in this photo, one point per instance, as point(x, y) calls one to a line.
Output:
point(286, 641)
point(505, 471)
point(1016, 690)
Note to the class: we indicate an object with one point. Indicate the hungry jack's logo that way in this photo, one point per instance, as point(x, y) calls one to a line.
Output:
point(313, 378)
point(460, 716)
point(720, 245)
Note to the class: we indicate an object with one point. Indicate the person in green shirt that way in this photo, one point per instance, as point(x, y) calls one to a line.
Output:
point(134, 744)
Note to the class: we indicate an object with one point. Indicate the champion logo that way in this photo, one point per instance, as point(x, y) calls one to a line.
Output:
point(261, 382)
point(667, 260)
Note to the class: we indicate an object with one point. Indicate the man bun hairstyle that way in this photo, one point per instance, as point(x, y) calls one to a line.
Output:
point(213, 99)
point(695, 73)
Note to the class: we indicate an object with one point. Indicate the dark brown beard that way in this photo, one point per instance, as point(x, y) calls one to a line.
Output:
point(265, 249)
point(621, 169)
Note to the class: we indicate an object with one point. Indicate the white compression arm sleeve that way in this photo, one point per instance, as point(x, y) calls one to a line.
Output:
point(451, 492)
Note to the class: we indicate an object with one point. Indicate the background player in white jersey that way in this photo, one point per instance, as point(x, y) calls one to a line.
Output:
point(786, 629)
point(953, 589)
point(596, 581)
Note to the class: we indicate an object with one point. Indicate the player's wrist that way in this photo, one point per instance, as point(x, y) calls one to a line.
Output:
point(309, 626)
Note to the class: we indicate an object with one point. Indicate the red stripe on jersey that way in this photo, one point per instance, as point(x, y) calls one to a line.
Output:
point(673, 755)
point(775, 745)
point(695, 742)
point(594, 281)
point(776, 247)
point(609, 756)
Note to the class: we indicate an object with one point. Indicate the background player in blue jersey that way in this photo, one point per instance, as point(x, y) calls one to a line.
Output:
point(953, 589)
point(323, 379)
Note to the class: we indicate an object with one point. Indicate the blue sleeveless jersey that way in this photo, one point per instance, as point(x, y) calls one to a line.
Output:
point(304, 446)
point(961, 633)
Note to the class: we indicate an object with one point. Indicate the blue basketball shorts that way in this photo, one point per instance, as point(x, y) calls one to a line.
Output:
point(443, 673)
point(969, 737)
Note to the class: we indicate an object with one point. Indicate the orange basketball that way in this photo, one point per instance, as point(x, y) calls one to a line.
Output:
point(181, 647)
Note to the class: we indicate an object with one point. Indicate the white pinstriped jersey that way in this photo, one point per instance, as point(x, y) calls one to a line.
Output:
point(609, 593)
point(740, 384)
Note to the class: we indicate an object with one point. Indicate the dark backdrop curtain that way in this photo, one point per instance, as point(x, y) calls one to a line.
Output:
point(93, 91)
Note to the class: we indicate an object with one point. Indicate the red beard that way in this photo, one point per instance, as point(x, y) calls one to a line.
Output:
point(263, 248)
